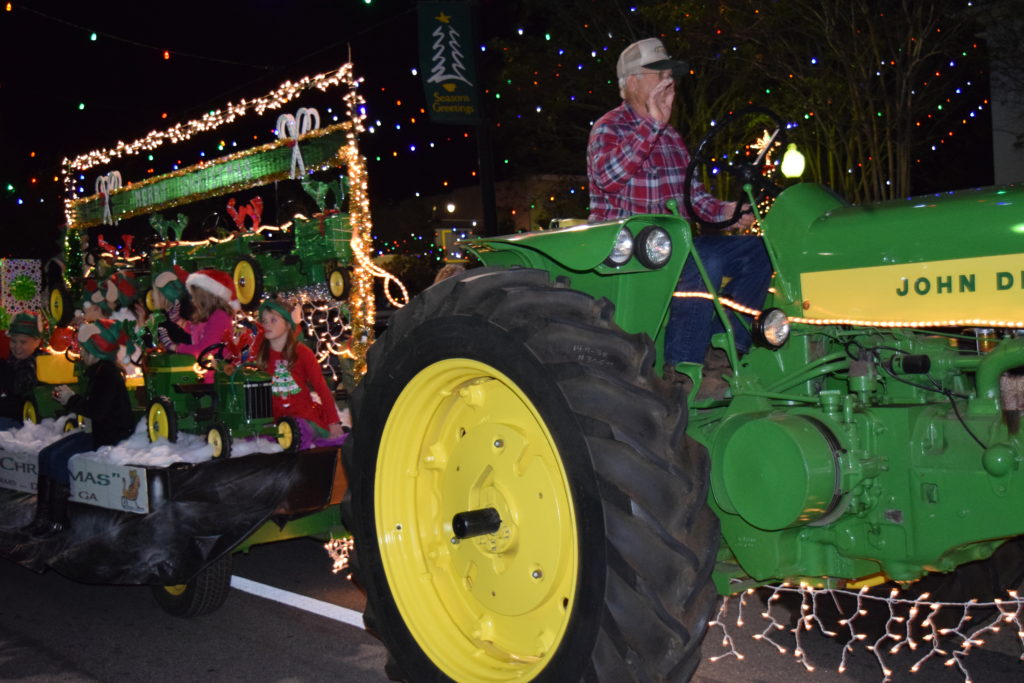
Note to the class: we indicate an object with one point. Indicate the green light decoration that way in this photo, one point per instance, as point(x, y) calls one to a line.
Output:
point(5, 318)
point(24, 288)
point(250, 168)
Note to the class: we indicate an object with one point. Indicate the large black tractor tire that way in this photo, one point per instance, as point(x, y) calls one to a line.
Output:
point(202, 595)
point(498, 399)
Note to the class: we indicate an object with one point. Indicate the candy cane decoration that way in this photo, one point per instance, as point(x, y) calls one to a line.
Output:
point(105, 184)
point(294, 127)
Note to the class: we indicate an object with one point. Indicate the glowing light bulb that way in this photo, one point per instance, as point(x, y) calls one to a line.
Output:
point(793, 162)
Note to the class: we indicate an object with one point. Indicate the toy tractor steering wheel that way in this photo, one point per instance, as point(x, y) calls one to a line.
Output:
point(206, 359)
point(746, 172)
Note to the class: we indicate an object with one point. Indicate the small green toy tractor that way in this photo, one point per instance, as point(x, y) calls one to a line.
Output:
point(314, 251)
point(236, 404)
point(531, 500)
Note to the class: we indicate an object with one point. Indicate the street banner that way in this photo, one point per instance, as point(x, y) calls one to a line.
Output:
point(447, 67)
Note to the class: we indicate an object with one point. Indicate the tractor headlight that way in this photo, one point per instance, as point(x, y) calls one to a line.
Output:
point(622, 250)
point(771, 329)
point(653, 247)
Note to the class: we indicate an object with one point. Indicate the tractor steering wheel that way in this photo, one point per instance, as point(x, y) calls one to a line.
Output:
point(746, 172)
point(207, 362)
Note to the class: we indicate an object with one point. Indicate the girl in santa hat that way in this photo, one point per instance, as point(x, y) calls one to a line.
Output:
point(213, 306)
point(296, 377)
point(109, 420)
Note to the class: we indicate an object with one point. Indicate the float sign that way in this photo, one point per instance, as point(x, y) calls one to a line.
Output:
point(116, 487)
point(446, 62)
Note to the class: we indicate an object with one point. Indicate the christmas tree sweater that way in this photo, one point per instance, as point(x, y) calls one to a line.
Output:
point(293, 388)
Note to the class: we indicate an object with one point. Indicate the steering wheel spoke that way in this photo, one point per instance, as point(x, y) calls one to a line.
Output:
point(744, 172)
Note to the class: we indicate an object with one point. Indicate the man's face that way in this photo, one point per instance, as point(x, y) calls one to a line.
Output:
point(647, 79)
point(23, 346)
point(640, 85)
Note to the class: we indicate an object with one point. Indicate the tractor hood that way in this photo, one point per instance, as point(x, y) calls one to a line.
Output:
point(579, 248)
point(950, 257)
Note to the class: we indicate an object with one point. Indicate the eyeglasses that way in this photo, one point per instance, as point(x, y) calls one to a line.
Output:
point(659, 74)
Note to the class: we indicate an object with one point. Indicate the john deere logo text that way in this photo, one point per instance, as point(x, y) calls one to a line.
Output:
point(964, 283)
point(973, 288)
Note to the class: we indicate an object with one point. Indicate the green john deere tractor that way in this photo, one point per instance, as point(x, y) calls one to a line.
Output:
point(531, 500)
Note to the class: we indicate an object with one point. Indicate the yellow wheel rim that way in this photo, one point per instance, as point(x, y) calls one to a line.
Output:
point(464, 437)
point(28, 413)
point(157, 422)
point(177, 589)
point(336, 284)
point(245, 282)
point(285, 435)
point(213, 438)
point(70, 426)
point(56, 304)
point(150, 301)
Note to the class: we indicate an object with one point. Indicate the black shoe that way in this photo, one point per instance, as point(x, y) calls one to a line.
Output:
point(48, 529)
point(57, 520)
point(712, 385)
point(42, 516)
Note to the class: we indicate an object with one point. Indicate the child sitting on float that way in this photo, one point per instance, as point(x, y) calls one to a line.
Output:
point(295, 378)
point(18, 372)
point(214, 304)
point(170, 295)
point(108, 420)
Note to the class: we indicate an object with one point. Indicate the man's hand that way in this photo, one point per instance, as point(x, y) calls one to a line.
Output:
point(659, 102)
point(745, 220)
point(746, 217)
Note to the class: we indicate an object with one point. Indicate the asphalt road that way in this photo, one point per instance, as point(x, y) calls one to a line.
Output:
point(53, 629)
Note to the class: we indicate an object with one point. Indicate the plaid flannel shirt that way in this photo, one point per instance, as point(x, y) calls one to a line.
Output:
point(636, 164)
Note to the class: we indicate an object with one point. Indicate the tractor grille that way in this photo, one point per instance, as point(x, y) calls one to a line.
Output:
point(257, 400)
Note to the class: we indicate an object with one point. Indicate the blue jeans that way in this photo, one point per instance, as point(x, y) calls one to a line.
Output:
point(692, 321)
point(53, 460)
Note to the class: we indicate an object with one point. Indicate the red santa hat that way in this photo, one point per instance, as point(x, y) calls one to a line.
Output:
point(216, 282)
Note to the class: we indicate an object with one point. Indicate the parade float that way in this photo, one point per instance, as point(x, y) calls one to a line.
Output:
point(209, 472)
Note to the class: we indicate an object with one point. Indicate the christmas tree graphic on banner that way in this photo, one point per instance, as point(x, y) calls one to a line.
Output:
point(448, 64)
point(446, 61)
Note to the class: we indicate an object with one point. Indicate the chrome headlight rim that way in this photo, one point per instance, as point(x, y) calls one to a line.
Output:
point(622, 250)
point(645, 238)
point(771, 329)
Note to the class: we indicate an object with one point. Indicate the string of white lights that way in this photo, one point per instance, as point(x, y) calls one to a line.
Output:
point(903, 616)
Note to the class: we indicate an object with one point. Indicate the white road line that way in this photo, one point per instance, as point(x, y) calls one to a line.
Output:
point(324, 609)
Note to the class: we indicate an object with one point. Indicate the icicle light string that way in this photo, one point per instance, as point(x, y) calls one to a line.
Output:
point(953, 644)
point(339, 550)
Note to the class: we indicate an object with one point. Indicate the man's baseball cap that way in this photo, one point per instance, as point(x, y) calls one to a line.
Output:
point(648, 53)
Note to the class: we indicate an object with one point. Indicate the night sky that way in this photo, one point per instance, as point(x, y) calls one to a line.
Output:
point(64, 93)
